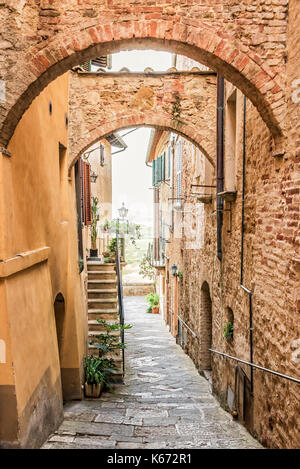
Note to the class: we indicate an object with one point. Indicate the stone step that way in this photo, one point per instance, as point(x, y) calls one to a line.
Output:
point(102, 303)
point(101, 284)
point(106, 314)
point(97, 266)
point(97, 332)
point(95, 326)
point(101, 275)
point(102, 293)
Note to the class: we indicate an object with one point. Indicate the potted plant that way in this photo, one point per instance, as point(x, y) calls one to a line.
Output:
point(103, 367)
point(94, 231)
point(92, 385)
point(98, 373)
point(106, 225)
point(153, 301)
point(110, 254)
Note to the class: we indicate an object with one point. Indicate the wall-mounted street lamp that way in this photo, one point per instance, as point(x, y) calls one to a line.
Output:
point(174, 269)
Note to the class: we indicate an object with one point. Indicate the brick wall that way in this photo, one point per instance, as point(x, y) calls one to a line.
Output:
point(245, 42)
point(103, 103)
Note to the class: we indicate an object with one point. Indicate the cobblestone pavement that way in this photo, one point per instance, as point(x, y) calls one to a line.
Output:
point(164, 402)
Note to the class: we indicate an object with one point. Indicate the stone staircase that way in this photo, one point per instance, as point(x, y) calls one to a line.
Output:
point(103, 304)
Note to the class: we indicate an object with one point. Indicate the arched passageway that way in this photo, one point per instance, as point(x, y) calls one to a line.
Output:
point(102, 103)
point(60, 37)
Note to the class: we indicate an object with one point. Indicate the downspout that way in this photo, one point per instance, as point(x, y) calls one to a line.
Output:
point(220, 162)
point(249, 292)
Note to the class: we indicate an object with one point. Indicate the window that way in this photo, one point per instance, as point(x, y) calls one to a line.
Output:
point(179, 168)
point(169, 162)
point(159, 170)
point(230, 140)
point(85, 192)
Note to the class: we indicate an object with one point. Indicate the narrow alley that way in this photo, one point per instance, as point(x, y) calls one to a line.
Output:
point(164, 402)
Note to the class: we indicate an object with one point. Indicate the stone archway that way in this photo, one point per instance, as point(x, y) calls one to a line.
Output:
point(48, 40)
point(103, 103)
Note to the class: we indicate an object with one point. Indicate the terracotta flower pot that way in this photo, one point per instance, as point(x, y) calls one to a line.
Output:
point(92, 390)
point(155, 310)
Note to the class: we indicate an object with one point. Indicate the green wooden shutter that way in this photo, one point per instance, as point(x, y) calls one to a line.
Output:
point(158, 164)
point(163, 168)
point(153, 172)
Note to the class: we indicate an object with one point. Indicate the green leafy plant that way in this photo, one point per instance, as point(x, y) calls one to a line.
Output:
point(98, 370)
point(95, 219)
point(153, 300)
point(111, 253)
point(106, 225)
point(146, 269)
point(106, 343)
point(136, 234)
point(228, 331)
point(180, 275)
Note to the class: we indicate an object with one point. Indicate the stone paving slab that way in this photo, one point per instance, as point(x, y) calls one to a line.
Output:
point(164, 402)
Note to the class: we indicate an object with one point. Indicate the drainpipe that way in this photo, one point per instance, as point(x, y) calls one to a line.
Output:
point(249, 292)
point(220, 162)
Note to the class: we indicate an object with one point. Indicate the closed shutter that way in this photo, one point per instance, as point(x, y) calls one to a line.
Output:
point(87, 193)
point(153, 172)
point(163, 167)
point(82, 207)
point(179, 167)
point(158, 170)
point(169, 162)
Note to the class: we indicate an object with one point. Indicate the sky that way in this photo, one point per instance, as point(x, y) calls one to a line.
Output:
point(132, 179)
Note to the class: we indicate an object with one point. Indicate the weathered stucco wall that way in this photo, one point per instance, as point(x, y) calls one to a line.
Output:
point(40, 204)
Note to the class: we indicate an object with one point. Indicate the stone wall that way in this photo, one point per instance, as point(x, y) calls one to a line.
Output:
point(245, 42)
point(101, 103)
point(270, 271)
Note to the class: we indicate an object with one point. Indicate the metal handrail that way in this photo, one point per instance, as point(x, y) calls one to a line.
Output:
point(120, 296)
point(267, 370)
point(188, 327)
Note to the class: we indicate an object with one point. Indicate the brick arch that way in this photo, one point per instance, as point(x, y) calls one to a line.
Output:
point(141, 120)
point(210, 39)
point(100, 104)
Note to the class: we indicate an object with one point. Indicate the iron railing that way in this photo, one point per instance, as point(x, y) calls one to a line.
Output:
point(257, 367)
point(120, 297)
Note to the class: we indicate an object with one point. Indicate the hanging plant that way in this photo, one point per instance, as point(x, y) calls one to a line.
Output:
point(228, 331)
